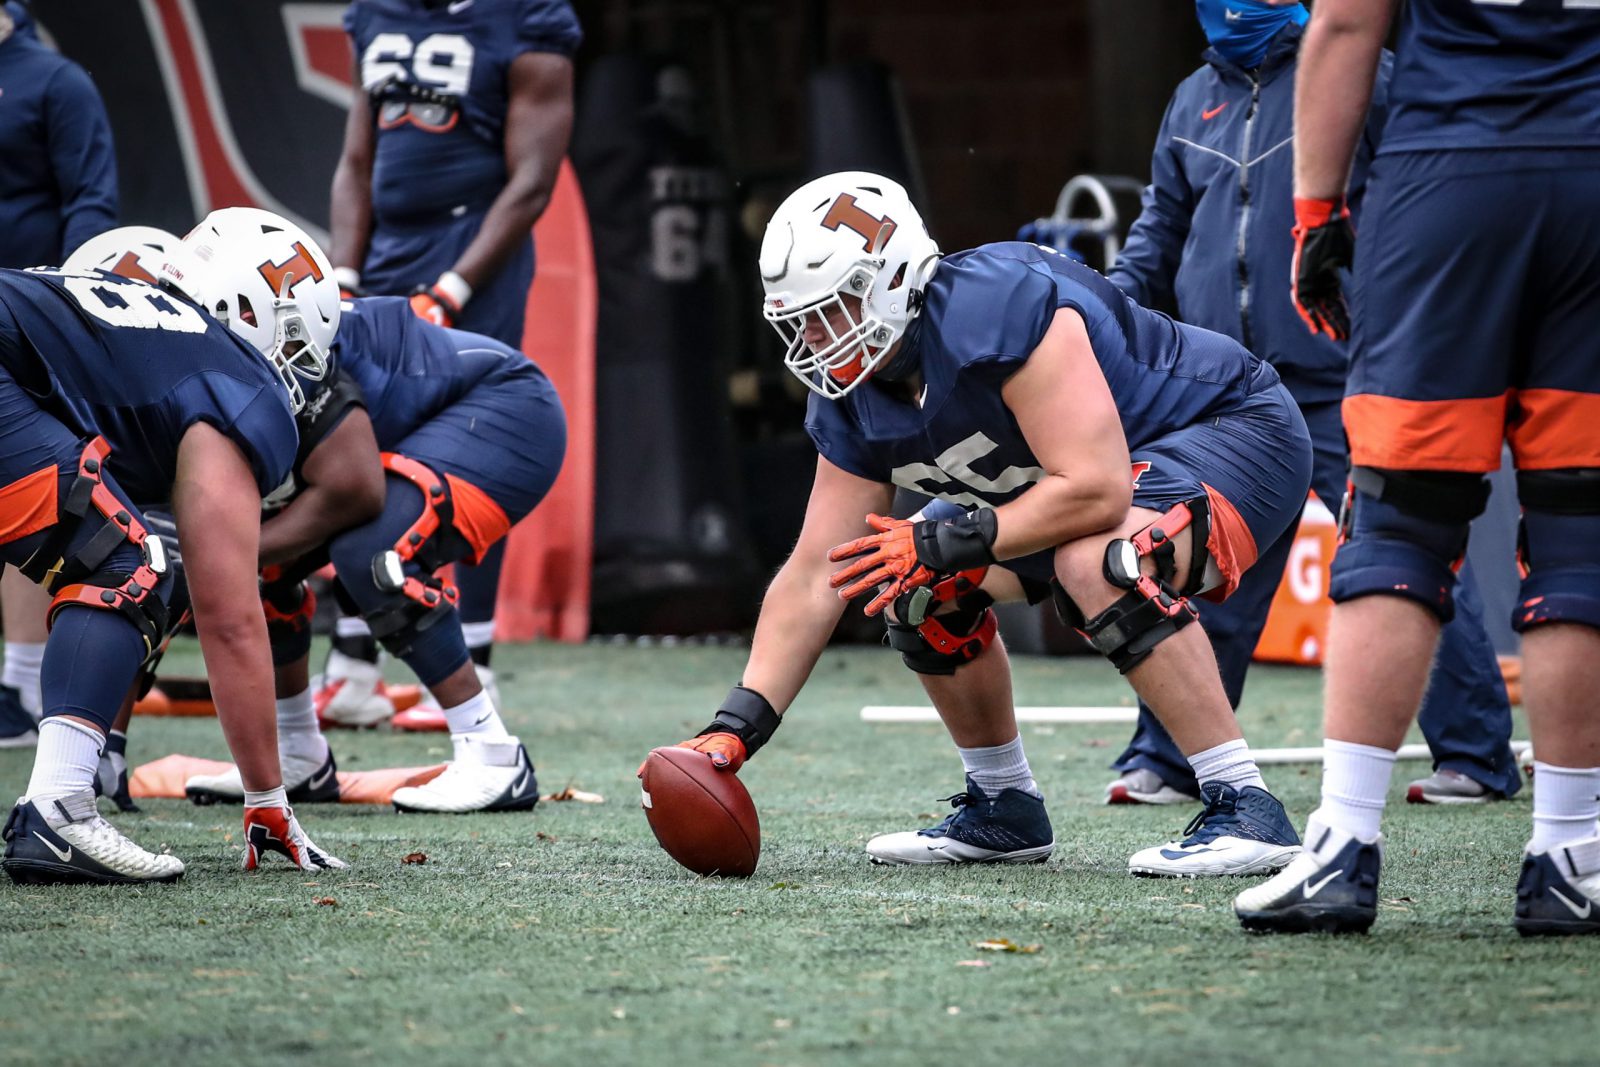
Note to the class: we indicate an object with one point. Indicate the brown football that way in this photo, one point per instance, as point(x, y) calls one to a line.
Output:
point(703, 817)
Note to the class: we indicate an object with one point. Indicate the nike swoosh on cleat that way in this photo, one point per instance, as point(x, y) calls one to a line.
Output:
point(1178, 854)
point(1311, 890)
point(1582, 913)
point(320, 779)
point(520, 782)
point(66, 857)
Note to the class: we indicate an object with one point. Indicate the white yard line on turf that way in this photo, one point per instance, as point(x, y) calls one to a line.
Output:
point(1089, 715)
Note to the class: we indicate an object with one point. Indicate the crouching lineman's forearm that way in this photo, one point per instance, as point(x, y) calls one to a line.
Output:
point(797, 618)
point(1059, 509)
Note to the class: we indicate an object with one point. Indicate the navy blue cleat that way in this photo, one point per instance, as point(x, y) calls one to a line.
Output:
point(18, 729)
point(1010, 827)
point(1559, 891)
point(66, 841)
point(1239, 832)
point(1331, 887)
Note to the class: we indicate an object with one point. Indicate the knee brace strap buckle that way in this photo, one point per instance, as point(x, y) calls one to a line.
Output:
point(920, 604)
point(417, 603)
point(420, 541)
point(1123, 555)
point(940, 644)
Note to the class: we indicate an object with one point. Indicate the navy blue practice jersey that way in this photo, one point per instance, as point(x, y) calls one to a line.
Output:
point(437, 77)
point(1495, 74)
point(984, 313)
point(409, 370)
point(139, 366)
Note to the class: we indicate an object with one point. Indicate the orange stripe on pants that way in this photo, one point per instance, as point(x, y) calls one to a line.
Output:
point(28, 504)
point(1555, 428)
point(1230, 543)
point(477, 517)
point(1440, 435)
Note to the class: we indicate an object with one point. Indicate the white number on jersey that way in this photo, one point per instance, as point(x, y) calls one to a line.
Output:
point(441, 61)
point(954, 465)
point(132, 305)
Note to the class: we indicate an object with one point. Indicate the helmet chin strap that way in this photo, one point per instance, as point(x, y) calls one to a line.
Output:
point(899, 366)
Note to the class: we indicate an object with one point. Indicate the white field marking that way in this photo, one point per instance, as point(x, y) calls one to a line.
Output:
point(1089, 715)
point(913, 713)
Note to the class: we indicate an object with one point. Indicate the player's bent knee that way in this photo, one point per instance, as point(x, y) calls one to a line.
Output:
point(1405, 534)
point(1559, 548)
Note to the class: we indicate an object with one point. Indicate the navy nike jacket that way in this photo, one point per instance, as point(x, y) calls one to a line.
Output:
point(58, 177)
point(1213, 234)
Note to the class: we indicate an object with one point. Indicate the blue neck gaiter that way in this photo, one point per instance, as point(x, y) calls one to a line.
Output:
point(1240, 30)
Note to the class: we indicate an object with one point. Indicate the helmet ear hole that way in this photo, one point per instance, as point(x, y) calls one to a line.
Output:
point(899, 278)
point(247, 313)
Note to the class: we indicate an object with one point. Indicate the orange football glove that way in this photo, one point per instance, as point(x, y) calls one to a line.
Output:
point(727, 752)
point(434, 305)
point(888, 556)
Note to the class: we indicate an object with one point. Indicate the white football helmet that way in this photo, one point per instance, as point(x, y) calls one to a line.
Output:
point(135, 252)
point(851, 234)
point(267, 281)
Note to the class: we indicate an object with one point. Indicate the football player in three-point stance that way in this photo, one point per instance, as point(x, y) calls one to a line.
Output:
point(114, 393)
point(1019, 388)
point(472, 436)
point(1475, 327)
point(450, 155)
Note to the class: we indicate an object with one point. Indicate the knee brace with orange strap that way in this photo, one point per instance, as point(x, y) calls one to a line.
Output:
point(417, 601)
point(940, 644)
point(79, 579)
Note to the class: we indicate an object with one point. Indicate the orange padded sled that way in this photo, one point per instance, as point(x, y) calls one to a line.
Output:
point(165, 778)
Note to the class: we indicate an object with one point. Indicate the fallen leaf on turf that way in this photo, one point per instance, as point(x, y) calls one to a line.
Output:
point(500, 866)
point(1005, 944)
point(783, 1024)
point(326, 902)
point(542, 836)
point(973, 963)
point(415, 857)
point(579, 795)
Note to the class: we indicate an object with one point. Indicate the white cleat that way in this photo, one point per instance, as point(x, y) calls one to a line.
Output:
point(66, 840)
point(350, 693)
point(484, 776)
point(1142, 786)
point(307, 781)
point(1239, 832)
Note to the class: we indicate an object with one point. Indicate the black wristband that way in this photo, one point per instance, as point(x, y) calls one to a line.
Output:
point(950, 545)
point(747, 715)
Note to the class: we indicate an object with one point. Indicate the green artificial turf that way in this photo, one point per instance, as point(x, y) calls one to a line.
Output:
point(567, 937)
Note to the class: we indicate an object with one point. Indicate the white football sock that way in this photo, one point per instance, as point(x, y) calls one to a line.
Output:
point(999, 767)
point(65, 761)
point(267, 798)
point(477, 717)
point(1355, 786)
point(21, 672)
point(1565, 808)
point(298, 734)
point(478, 634)
point(1229, 763)
point(351, 626)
